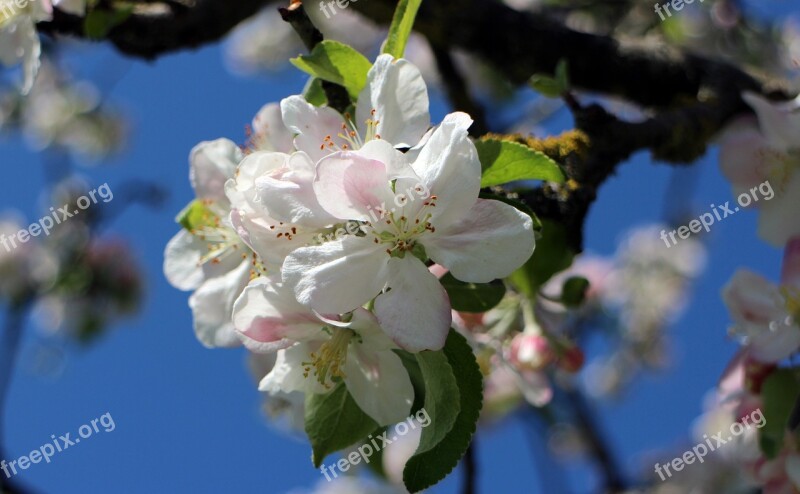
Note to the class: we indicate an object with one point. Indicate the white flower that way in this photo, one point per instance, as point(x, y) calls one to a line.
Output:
point(19, 41)
point(211, 260)
point(435, 208)
point(314, 350)
point(764, 316)
point(750, 157)
point(393, 106)
point(268, 131)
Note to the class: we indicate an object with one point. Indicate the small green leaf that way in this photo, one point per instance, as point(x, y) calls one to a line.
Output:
point(505, 161)
point(552, 255)
point(552, 86)
point(400, 30)
point(562, 74)
point(334, 422)
point(337, 63)
point(313, 92)
point(779, 392)
point(447, 438)
point(573, 293)
point(473, 297)
point(196, 215)
point(99, 23)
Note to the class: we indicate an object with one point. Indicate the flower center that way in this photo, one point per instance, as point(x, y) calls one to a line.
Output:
point(349, 137)
point(399, 231)
point(328, 362)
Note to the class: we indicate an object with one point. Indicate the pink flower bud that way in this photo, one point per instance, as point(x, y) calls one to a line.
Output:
point(530, 352)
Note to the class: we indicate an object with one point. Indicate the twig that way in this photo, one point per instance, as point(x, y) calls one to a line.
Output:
point(470, 470)
point(295, 14)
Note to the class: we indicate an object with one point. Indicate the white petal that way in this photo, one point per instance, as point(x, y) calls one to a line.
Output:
point(242, 190)
point(74, 7)
point(312, 125)
point(269, 132)
point(492, 241)
point(212, 163)
point(268, 238)
point(396, 91)
point(268, 318)
point(339, 276)
point(780, 122)
point(379, 384)
point(182, 261)
point(212, 306)
point(449, 167)
point(352, 187)
point(397, 165)
point(778, 219)
point(287, 375)
point(288, 193)
point(415, 312)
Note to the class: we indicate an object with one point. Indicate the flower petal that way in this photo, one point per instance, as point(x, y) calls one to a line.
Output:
point(742, 156)
point(288, 193)
point(241, 191)
point(778, 221)
point(379, 384)
point(396, 91)
point(287, 375)
point(212, 164)
point(212, 305)
point(780, 122)
point(352, 187)
point(269, 132)
point(415, 312)
point(339, 276)
point(182, 265)
point(267, 317)
point(449, 167)
point(312, 125)
point(492, 241)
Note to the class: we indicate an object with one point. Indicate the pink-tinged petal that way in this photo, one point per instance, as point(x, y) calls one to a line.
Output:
point(492, 241)
point(742, 156)
point(449, 168)
point(778, 220)
point(212, 305)
point(268, 238)
point(752, 299)
point(74, 7)
point(267, 317)
point(379, 384)
point(780, 121)
point(790, 273)
point(396, 91)
point(313, 126)
point(211, 165)
point(415, 312)
point(288, 193)
point(269, 132)
point(339, 276)
point(350, 186)
point(397, 166)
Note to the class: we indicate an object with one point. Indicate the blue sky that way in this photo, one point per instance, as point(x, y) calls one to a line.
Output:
point(188, 420)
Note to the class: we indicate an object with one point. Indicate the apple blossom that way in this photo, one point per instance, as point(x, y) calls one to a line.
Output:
point(764, 316)
point(315, 351)
point(211, 259)
point(435, 210)
point(19, 41)
point(751, 156)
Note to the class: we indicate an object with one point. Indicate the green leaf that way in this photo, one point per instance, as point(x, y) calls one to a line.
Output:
point(400, 30)
point(473, 297)
point(573, 293)
point(334, 422)
point(779, 392)
point(195, 216)
point(552, 86)
point(447, 438)
point(337, 63)
point(313, 92)
point(98, 23)
point(417, 380)
point(505, 161)
point(552, 255)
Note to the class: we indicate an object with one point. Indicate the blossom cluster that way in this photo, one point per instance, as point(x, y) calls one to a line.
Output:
point(313, 241)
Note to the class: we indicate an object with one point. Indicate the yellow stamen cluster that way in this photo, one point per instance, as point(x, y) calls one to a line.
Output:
point(328, 362)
